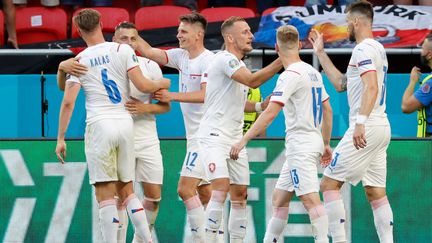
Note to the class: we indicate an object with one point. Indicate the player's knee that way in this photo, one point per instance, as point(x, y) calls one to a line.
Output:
point(328, 184)
point(374, 193)
point(185, 192)
point(239, 195)
point(204, 198)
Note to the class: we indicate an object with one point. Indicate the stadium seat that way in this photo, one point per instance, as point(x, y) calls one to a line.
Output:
point(222, 13)
point(110, 18)
point(159, 16)
point(40, 24)
point(268, 11)
point(2, 28)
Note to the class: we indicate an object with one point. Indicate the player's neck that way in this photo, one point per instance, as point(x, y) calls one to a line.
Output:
point(361, 36)
point(94, 39)
point(239, 54)
point(196, 51)
point(289, 58)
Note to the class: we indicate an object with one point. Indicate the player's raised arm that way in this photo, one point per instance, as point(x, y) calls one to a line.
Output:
point(144, 84)
point(254, 80)
point(337, 78)
point(154, 54)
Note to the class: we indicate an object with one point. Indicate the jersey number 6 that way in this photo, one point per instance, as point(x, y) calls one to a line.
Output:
point(110, 87)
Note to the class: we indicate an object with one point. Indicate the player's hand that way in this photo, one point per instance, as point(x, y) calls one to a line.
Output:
point(415, 75)
point(72, 66)
point(359, 136)
point(326, 158)
point(61, 151)
point(135, 106)
point(266, 102)
point(163, 95)
point(236, 148)
point(12, 42)
point(317, 40)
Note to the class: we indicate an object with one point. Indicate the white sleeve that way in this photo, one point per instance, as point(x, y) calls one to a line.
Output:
point(72, 78)
point(128, 56)
point(174, 57)
point(363, 58)
point(155, 70)
point(286, 85)
point(231, 64)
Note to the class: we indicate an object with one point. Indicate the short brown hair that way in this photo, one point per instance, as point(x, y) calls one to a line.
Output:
point(230, 22)
point(194, 18)
point(287, 37)
point(87, 20)
point(362, 7)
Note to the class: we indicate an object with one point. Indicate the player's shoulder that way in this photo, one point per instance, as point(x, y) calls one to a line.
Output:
point(367, 46)
point(149, 64)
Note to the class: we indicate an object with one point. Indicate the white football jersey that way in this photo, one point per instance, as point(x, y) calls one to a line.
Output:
point(145, 124)
point(300, 90)
point(190, 80)
point(106, 84)
point(367, 56)
point(225, 100)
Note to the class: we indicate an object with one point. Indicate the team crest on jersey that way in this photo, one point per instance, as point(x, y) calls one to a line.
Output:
point(425, 88)
point(212, 167)
point(134, 58)
point(364, 62)
point(233, 63)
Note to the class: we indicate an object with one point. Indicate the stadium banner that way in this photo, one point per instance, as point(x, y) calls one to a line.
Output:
point(45, 201)
point(393, 26)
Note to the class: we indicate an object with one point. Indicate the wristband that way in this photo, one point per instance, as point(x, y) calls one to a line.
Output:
point(361, 119)
point(258, 107)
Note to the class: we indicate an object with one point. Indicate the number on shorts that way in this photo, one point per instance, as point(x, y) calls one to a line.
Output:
point(317, 105)
point(110, 87)
point(334, 161)
point(295, 178)
point(383, 90)
point(190, 161)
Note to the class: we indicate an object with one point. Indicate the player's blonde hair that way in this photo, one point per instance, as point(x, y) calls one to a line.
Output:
point(87, 20)
point(287, 37)
point(229, 22)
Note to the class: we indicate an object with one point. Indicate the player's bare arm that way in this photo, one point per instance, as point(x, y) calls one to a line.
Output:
point(151, 53)
point(409, 102)
point(254, 80)
point(187, 97)
point(326, 128)
point(369, 96)
point(137, 107)
point(144, 84)
point(66, 109)
point(260, 125)
point(337, 79)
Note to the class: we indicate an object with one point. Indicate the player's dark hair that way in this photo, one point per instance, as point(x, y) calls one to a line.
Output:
point(125, 25)
point(362, 7)
point(194, 18)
